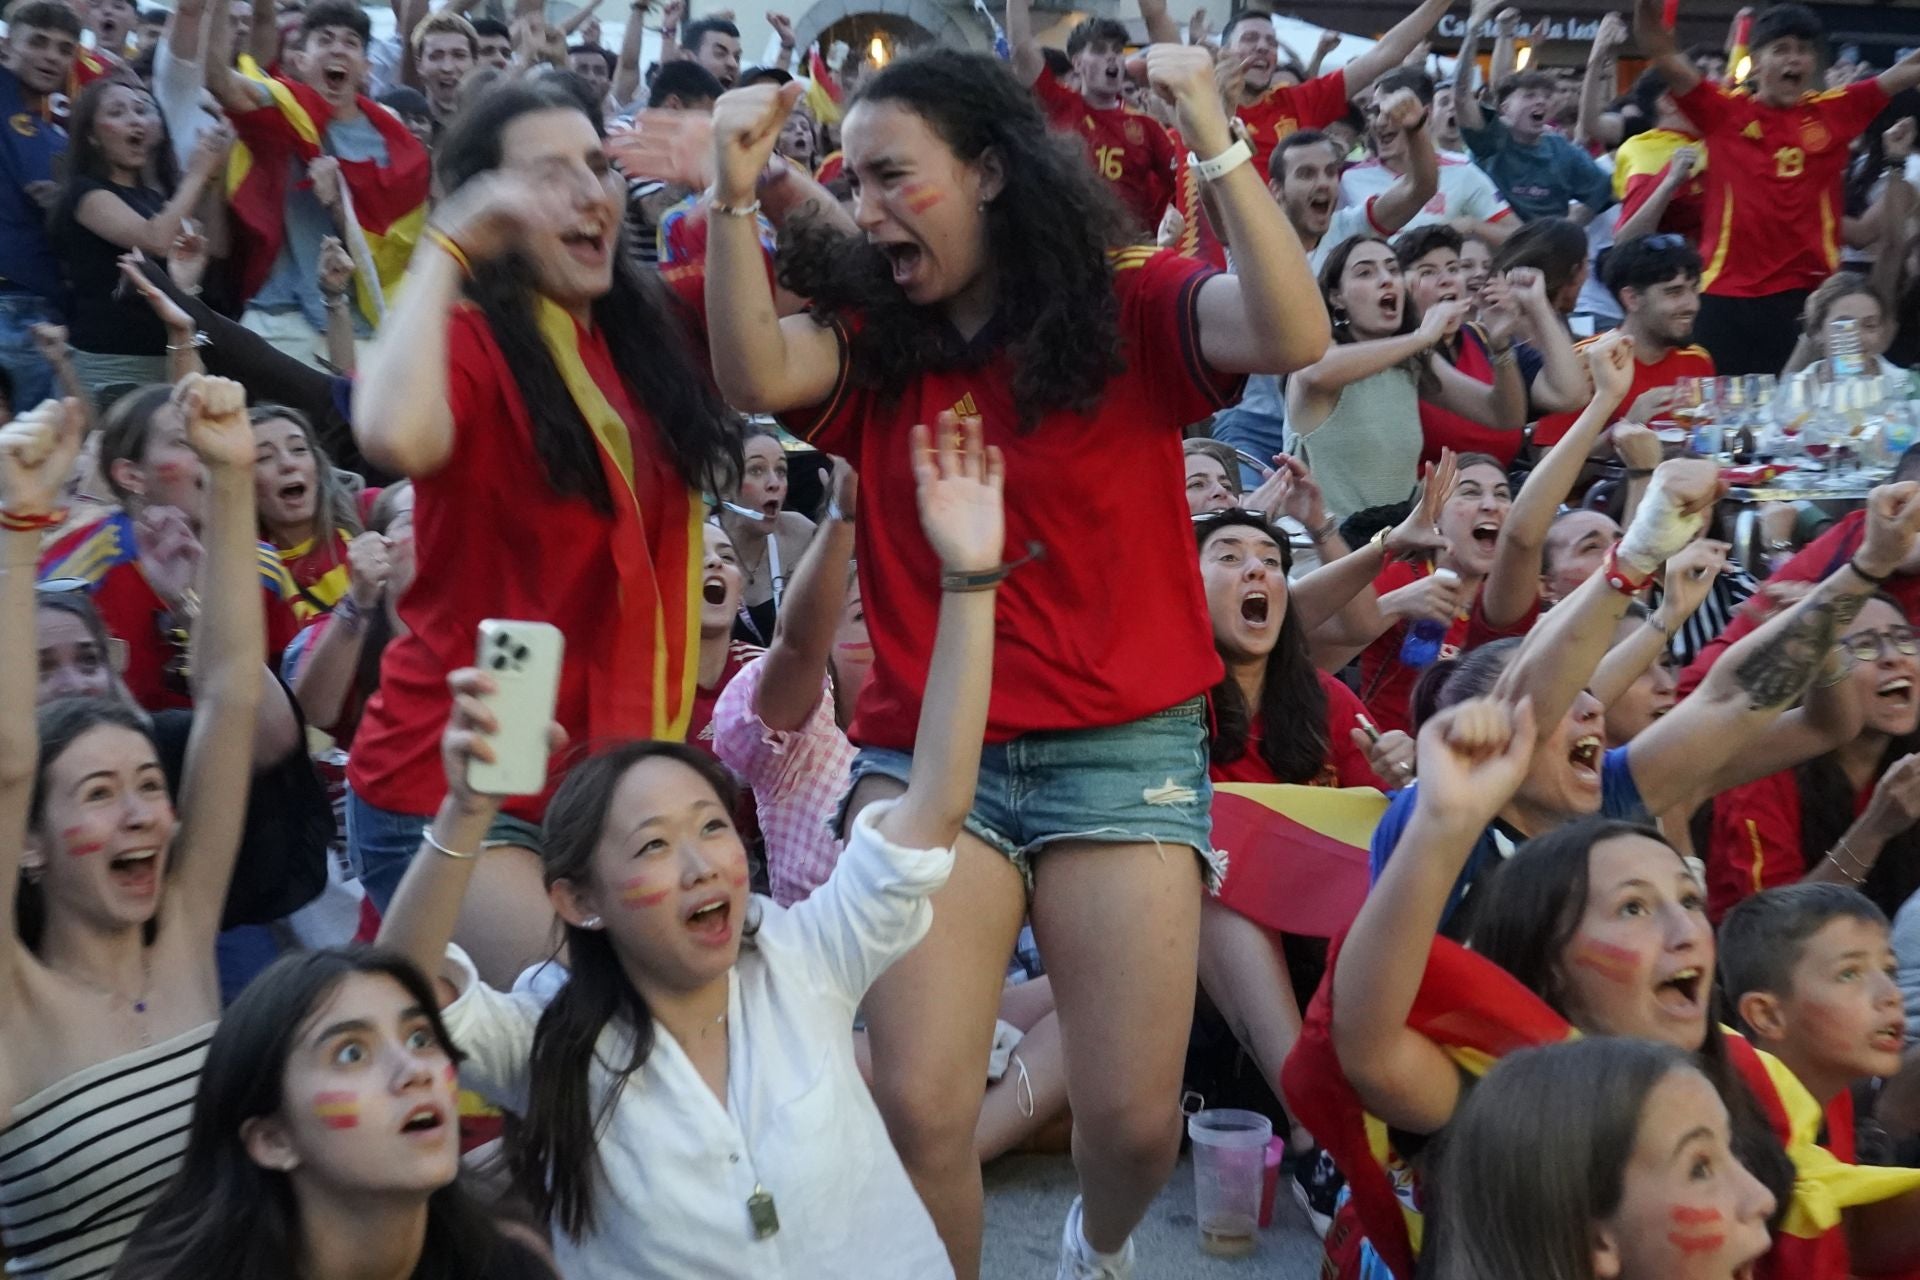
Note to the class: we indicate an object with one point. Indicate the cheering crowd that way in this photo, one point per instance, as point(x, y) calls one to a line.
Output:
point(624, 686)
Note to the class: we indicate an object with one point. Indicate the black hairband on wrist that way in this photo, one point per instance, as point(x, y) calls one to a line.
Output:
point(951, 580)
point(1877, 579)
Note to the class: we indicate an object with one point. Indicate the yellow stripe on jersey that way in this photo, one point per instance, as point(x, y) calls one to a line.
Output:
point(1132, 257)
point(1720, 245)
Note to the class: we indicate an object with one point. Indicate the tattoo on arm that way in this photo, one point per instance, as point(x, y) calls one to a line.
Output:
point(1778, 671)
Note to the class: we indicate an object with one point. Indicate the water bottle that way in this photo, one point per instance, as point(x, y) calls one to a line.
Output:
point(1421, 648)
point(1844, 359)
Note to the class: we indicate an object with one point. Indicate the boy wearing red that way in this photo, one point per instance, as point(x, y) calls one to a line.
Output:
point(1773, 193)
point(1272, 111)
point(1657, 280)
point(1129, 148)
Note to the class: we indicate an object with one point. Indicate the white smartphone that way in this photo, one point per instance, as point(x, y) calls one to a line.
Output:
point(523, 658)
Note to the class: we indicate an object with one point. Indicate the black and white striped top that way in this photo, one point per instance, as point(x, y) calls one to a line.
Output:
point(84, 1158)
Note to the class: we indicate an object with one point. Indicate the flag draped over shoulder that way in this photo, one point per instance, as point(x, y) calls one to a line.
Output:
point(657, 622)
point(1297, 855)
point(1477, 1012)
point(389, 201)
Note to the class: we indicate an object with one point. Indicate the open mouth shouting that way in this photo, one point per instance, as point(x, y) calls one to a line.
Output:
point(904, 257)
point(1896, 692)
point(136, 871)
point(336, 76)
point(1255, 608)
point(1682, 994)
point(294, 494)
point(427, 1120)
point(590, 244)
point(711, 921)
point(1585, 759)
point(1486, 534)
point(713, 589)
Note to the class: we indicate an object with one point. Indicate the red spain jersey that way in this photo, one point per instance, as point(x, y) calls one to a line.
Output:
point(1286, 109)
point(1773, 192)
point(1681, 362)
point(1109, 624)
point(1129, 148)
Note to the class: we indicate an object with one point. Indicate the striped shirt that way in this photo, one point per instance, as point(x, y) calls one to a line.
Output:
point(84, 1158)
point(1733, 588)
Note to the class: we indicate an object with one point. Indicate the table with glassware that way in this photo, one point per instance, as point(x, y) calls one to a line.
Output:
point(1832, 438)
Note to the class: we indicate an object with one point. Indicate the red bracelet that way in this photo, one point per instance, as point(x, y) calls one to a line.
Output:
point(1619, 577)
point(12, 522)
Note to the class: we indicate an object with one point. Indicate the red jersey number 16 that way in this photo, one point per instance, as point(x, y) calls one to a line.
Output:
point(1109, 159)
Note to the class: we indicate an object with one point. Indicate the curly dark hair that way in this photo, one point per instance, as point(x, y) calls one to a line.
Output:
point(645, 329)
point(1050, 229)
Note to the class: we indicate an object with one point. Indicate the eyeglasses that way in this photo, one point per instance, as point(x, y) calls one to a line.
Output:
point(1868, 646)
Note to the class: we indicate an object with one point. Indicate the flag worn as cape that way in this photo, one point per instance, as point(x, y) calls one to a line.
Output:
point(390, 201)
point(1297, 854)
point(1477, 1012)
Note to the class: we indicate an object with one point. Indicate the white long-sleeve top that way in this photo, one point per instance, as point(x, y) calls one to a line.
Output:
point(678, 1167)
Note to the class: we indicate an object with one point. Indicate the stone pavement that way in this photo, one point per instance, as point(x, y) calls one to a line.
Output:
point(1027, 1199)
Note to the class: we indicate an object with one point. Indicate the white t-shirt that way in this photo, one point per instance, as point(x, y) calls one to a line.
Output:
point(179, 87)
point(1353, 220)
point(798, 1120)
point(1465, 192)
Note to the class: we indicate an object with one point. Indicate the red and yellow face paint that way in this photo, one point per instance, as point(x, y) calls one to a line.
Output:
point(77, 844)
point(1614, 963)
point(920, 197)
point(337, 1108)
point(637, 895)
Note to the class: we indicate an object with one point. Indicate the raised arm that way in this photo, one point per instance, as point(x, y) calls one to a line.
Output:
point(763, 364)
point(1658, 47)
point(1902, 75)
point(1316, 387)
point(115, 221)
point(234, 92)
point(1408, 195)
point(1559, 655)
point(1688, 579)
point(1466, 74)
point(263, 39)
point(810, 612)
point(626, 67)
point(402, 420)
point(1514, 584)
point(1472, 759)
point(959, 481)
point(1265, 318)
point(1392, 48)
point(1645, 220)
point(1161, 28)
point(1597, 85)
point(229, 650)
point(37, 451)
point(333, 657)
point(1707, 741)
point(1027, 61)
point(1563, 383)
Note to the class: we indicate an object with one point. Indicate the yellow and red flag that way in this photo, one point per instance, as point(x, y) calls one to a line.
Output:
point(825, 98)
point(389, 201)
point(1296, 855)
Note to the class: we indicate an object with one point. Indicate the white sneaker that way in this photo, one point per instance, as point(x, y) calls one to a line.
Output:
point(1078, 1261)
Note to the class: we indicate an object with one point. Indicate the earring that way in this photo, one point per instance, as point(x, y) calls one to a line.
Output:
point(591, 922)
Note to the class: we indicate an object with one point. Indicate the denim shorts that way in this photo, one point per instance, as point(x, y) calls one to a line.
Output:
point(1135, 783)
point(381, 843)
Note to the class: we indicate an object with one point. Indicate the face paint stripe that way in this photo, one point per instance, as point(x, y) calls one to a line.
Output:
point(635, 894)
point(1704, 1243)
point(337, 1109)
point(1689, 1216)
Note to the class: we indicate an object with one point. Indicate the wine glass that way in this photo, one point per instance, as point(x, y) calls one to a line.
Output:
point(1793, 406)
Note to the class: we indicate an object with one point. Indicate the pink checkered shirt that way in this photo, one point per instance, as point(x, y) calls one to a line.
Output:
point(797, 776)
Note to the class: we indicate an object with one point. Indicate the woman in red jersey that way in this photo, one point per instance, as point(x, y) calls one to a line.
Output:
point(544, 398)
point(990, 279)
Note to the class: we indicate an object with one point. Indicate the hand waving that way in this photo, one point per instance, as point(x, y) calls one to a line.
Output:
point(960, 479)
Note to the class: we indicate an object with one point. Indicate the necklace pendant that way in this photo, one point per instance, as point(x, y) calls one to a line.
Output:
point(139, 1006)
point(760, 1211)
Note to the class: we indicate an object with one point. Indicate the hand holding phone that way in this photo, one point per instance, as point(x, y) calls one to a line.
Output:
point(522, 662)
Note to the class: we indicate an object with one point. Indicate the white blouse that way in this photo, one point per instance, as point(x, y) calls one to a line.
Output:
point(678, 1168)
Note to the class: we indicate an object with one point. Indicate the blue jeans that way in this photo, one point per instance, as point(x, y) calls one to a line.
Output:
point(380, 843)
point(1257, 425)
point(29, 376)
point(1134, 783)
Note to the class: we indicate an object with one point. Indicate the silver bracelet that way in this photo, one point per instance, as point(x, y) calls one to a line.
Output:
point(426, 834)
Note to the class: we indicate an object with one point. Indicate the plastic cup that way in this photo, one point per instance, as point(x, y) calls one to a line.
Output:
point(1229, 1166)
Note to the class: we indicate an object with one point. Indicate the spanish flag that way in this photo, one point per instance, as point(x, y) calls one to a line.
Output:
point(825, 98)
point(1477, 1012)
point(389, 200)
point(1296, 855)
